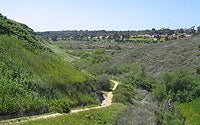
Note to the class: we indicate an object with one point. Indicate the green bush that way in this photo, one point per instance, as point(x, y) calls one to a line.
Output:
point(171, 116)
point(60, 106)
point(104, 82)
point(198, 70)
point(124, 94)
point(139, 78)
point(191, 111)
point(160, 92)
point(180, 85)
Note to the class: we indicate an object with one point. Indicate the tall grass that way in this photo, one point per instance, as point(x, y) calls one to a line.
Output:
point(191, 111)
point(104, 116)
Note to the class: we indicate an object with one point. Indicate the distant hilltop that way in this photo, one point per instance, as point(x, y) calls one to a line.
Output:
point(145, 36)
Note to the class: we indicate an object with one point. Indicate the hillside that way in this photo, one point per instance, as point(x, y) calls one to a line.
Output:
point(172, 73)
point(38, 77)
point(163, 57)
point(34, 80)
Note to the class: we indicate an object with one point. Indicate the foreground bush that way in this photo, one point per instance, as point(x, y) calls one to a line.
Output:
point(60, 106)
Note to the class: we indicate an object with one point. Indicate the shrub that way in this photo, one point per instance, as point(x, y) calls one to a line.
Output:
point(171, 116)
point(104, 82)
point(160, 92)
point(124, 94)
point(198, 70)
point(60, 106)
point(139, 78)
point(180, 85)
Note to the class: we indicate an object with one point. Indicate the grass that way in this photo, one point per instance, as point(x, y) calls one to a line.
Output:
point(163, 57)
point(191, 111)
point(64, 55)
point(156, 57)
point(35, 80)
point(112, 84)
point(104, 116)
point(140, 39)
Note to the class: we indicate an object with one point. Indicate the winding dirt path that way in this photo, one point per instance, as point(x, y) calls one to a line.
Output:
point(107, 102)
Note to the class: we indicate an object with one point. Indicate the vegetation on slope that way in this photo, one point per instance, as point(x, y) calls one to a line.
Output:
point(164, 57)
point(161, 60)
point(33, 79)
point(104, 116)
point(180, 85)
point(191, 111)
point(129, 62)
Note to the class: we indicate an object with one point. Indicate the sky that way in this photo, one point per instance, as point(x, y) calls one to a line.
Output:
point(54, 15)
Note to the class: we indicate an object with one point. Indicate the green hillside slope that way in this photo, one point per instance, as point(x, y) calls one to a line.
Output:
point(33, 79)
point(173, 73)
point(164, 57)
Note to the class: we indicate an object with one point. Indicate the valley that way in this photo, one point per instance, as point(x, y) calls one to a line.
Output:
point(76, 81)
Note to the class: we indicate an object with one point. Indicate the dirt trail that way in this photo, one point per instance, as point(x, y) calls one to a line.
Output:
point(107, 102)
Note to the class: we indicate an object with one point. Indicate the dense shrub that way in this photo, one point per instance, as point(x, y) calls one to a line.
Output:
point(103, 82)
point(198, 70)
point(139, 78)
point(171, 116)
point(180, 85)
point(124, 94)
point(61, 106)
point(19, 98)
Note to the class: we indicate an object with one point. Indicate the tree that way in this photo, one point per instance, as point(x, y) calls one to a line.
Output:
point(167, 38)
point(116, 37)
point(181, 30)
point(192, 30)
point(54, 38)
point(153, 31)
point(198, 28)
point(127, 36)
point(104, 82)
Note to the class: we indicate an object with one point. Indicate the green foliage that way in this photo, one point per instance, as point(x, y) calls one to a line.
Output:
point(23, 32)
point(103, 116)
point(19, 96)
point(141, 40)
point(98, 56)
point(191, 111)
point(180, 85)
point(162, 57)
point(29, 80)
point(198, 70)
point(61, 106)
point(124, 94)
point(94, 62)
point(139, 78)
point(31, 76)
point(162, 40)
point(103, 82)
point(160, 92)
point(171, 116)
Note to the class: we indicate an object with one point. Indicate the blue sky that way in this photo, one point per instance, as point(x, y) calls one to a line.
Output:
point(45, 15)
